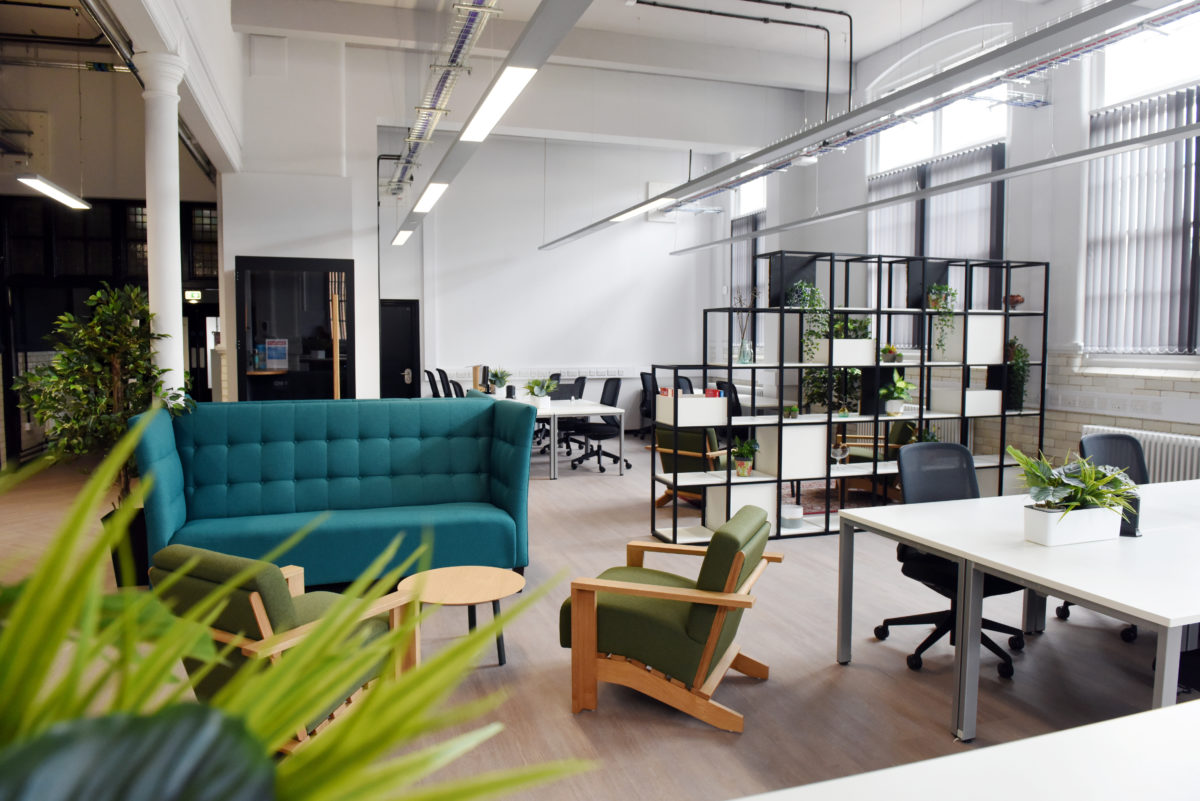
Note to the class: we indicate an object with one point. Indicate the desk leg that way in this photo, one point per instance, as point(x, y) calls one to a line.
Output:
point(845, 590)
point(968, 626)
point(621, 446)
point(553, 446)
point(1166, 667)
point(1033, 613)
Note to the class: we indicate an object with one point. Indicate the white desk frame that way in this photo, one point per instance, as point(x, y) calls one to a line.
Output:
point(581, 408)
point(1148, 580)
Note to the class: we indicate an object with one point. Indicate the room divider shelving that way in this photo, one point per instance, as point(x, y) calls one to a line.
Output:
point(781, 355)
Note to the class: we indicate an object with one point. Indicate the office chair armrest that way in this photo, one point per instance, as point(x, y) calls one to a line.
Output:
point(731, 600)
point(636, 550)
point(294, 576)
point(278, 643)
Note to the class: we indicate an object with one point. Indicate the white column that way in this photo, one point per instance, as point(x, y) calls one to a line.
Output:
point(161, 74)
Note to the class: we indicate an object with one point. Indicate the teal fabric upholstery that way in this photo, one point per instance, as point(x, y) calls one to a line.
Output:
point(239, 477)
point(670, 635)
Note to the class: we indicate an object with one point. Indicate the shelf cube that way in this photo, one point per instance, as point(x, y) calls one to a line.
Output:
point(805, 451)
point(761, 495)
point(978, 403)
point(846, 352)
point(695, 411)
point(985, 343)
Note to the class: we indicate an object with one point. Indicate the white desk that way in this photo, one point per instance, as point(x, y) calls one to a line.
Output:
point(580, 408)
point(1148, 580)
point(1136, 756)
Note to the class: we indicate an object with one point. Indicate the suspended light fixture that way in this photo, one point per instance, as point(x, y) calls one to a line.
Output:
point(653, 205)
point(506, 90)
point(402, 236)
point(429, 197)
point(55, 191)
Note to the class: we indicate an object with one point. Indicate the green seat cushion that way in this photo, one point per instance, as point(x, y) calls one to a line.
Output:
point(649, 630)
point(344, 544)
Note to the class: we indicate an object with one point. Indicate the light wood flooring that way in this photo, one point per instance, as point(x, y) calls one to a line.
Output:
point(813, 720)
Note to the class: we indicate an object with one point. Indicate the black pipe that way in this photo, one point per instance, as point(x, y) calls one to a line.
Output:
point(819, 10)
point(766, 20)
point(36, 5)
point(63, 41)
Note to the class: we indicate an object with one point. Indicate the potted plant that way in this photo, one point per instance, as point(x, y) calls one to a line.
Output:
point(500, 377)
point(890, 353)
point(102, 374)
point(806, 296)
point(1078, 502)
point(791, 412)
point(818, 395)
point(539, 389)
point(896, 393)
point(743, 455)
point(1017, 356)
point(942, 298)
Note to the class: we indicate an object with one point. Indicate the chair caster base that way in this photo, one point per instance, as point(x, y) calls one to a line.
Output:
point(1005, 669)
point(1063, 612)
point(913, 661)
point(881, 632)
point(1016, 642)
point(1129, 633)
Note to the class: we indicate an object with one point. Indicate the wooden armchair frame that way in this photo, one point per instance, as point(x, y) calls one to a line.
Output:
point(269, 645)
point(710, 458)
point(588, 667)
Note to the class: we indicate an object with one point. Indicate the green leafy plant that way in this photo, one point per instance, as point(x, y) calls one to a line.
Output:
point(113, 686)
point(852, 328)
point(890, 353)
point(942, 298)
point(541, 387)
point(744, 449)
point(1077, 484)
point(101, 374)
point(847, 386)
point(926, 434)
point(1018, 374)
point(791, 411)
point(899, 389)
point(500, 377)
point(806, 296)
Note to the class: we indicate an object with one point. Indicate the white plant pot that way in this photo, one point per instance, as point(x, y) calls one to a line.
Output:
point(540, 402)
point(893, 407)
point(1052, 527)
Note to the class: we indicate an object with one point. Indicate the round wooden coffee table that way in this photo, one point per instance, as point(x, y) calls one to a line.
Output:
point(464, 585)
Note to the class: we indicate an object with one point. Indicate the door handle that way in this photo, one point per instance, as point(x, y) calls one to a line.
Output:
point(407, 375)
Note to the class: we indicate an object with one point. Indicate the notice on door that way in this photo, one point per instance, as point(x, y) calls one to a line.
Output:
point(277, 358)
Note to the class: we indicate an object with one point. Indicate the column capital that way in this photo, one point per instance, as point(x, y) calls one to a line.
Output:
point(160, 72)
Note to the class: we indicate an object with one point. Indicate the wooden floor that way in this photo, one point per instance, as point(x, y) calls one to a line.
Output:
point(813, 720)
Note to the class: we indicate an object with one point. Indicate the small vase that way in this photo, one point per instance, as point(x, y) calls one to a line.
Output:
point(745, 353)
point(744, 466)
point(893, 407)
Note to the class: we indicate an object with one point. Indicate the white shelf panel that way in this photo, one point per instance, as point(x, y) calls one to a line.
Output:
point(711, 478)
point(863, 469)
point(993, 460)
point(685, 535)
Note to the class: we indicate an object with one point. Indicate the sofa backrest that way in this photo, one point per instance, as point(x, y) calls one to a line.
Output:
point(274, 457)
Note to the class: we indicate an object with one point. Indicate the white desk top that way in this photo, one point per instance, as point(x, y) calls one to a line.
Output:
point(1152, 577)
point(578, 408)
point(1146, 755)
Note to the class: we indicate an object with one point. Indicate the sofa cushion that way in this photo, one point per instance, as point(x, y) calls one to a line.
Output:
point(346, 541)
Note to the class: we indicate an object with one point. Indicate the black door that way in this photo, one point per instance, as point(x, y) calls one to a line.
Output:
point(399, 349)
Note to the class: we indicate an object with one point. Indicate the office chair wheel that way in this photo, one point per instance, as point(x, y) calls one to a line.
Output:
point(601, 468)
point(1063, 612)
point(1129, 633)
point(914, 661)
point(1016, 642)
point(574, 466)
point(881, 632)
point(1005, 670)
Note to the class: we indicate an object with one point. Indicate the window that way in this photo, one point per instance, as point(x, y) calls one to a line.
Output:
point(1152, 61)
point(1141, 263)
point(750, 197)
point(960, 125)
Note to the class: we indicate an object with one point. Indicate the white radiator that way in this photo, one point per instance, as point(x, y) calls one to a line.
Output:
point(1169, 457)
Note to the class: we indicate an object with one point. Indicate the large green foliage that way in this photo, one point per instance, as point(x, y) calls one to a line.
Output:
point(102, 373)
point(1077, 484)
point(71, 651)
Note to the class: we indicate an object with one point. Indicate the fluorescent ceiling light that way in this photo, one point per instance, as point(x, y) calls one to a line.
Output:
point(653, 205)
point(52, 190)
point(506, 89)
point(430, 196)
point(402, 236)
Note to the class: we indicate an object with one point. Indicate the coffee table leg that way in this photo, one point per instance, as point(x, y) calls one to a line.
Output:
point(470, 617)
point(499, 636)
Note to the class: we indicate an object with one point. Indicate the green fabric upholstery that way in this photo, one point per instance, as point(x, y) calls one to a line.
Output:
point(692, 440)
point(239, 477)
point(670, 635)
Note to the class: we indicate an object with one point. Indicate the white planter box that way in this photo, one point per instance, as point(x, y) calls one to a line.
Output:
point(1052, 527)
point(760, 495)
point(979, 402)
point(805, 452)
point(694, 411)
point(846, 352)
point(985, 344)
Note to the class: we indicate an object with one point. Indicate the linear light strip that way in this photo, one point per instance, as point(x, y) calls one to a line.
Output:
point(653, 205)
point(54, 191)
point(431, 195)
point(507, 88)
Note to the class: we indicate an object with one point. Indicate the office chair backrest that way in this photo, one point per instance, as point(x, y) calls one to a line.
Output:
point(1117, 450)
point(572, 390)
point(683, 449)
point(609, 396)
point(446, 391)
point(735, 403)
point(458, 389)
point(579, 386)
point(684, 384)
point(649, 390)
point(433, 387)
point(937, 471)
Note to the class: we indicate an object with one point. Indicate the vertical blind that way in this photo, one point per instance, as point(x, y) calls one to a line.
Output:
point(1141, 262)
point(959, 224)
point(892, 231)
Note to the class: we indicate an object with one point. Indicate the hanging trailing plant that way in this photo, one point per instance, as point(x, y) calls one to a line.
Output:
point(1018, 374)
point(806, 296)
point(942, 298)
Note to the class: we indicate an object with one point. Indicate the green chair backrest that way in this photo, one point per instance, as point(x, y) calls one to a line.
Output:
point(689, 441)
point(902, 432)
point(745, 532)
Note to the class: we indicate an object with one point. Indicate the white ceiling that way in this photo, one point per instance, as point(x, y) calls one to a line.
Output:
point(877, 23)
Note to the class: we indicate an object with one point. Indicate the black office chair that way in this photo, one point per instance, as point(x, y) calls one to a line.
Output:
point(458, 389)
point(735, 410)
point(446, 391)
point(1125, 452)
point(568, 427)
point(596, 433)
point(433, 387)
point(684, 384)
point(944, 471)
point(649, 391)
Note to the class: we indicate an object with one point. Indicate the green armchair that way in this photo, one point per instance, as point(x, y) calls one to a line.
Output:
point(687, 450)
point(267, 615)
point(664, 635)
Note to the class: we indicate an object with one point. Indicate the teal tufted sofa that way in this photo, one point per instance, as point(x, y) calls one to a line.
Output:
point(240, 477)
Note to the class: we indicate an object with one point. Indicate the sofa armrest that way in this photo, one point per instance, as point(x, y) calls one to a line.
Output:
point(158, 457)
point(512, 440)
